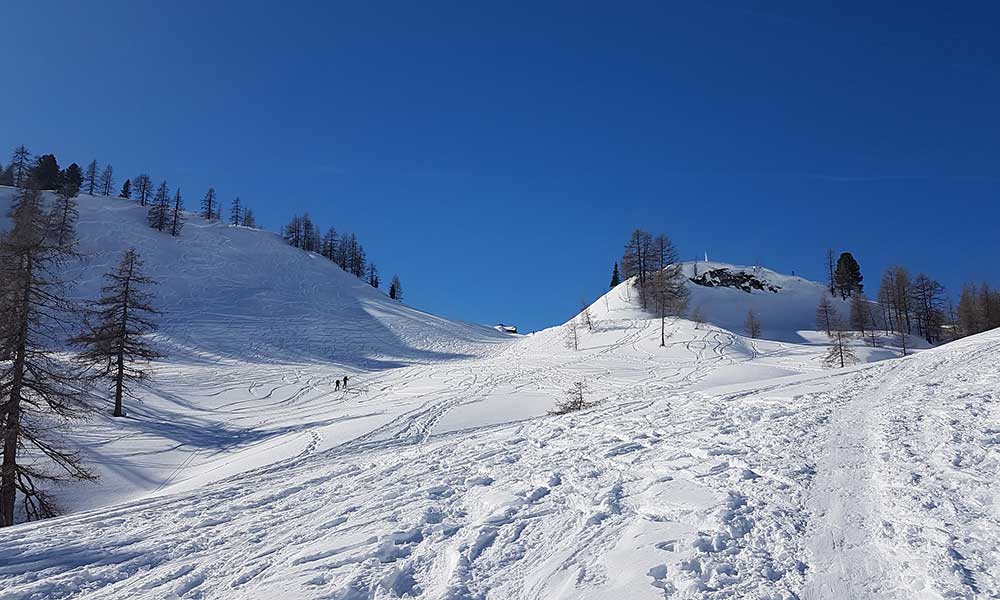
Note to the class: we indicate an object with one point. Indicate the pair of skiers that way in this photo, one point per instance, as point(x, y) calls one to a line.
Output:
point(336, 386)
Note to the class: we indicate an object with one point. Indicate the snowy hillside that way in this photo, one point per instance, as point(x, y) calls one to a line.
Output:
point(716, 466)
point(785, 304)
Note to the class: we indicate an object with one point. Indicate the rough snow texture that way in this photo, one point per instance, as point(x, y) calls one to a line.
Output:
point(713, 467)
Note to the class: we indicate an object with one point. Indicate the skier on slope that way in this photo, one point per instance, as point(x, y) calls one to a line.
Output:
point(345, 382)
point(336, 386)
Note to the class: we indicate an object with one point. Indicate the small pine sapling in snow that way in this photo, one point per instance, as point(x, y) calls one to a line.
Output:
point(575, 400)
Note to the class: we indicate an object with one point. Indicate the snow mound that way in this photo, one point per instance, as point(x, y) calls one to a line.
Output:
point(725, 293)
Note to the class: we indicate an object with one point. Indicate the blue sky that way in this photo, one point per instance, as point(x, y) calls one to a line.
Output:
point(497, 157)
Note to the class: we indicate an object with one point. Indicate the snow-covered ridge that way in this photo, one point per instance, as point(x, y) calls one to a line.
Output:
point(724, 293)
point(233, 292)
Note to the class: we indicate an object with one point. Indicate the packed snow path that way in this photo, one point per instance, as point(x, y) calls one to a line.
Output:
point(874, 482)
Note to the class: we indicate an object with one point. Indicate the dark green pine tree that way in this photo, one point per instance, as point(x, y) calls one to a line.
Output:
point(72, 179)
point(847, 276)
point(616, 279)
point(126, 189)
point(45, 174)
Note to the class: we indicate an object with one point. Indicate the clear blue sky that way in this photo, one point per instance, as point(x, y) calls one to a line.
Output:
point(497, 156)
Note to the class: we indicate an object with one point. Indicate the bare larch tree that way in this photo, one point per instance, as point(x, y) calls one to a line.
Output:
point(38, 392)
point(115, 347)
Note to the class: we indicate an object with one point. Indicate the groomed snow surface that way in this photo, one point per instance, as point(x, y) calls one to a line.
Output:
point(714, 467)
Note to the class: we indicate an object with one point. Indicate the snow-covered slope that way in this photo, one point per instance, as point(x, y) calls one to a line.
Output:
point(874, 482)
point(255, 332)
point(784, 304)
point(715, 466)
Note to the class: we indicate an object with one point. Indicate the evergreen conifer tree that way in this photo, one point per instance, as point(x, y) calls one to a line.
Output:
point(615, 277)
point(847, 276)
point(45, 175)
point(72, 180)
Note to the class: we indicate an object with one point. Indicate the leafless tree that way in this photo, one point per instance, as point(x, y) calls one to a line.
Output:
point(698, 316)
point(752, 325)
point(38, 392)
point(860, 315)
point(585, 315)
point(107, 181)
point(143, 186)
point(824, 314)
point(114, 347)
point(62, 221)
point(575, 400)
point(571, 335)
point(159, 211)
point(20, 167)
point(840, 352)
point(830, 265)
point(177, 214)
point(90, 178)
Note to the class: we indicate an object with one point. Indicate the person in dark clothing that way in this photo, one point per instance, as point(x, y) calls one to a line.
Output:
point(336, 386)
point(345, 382)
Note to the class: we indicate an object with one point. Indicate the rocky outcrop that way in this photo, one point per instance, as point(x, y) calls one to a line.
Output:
point(740, 280)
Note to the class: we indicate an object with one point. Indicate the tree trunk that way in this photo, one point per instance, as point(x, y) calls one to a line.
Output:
point(8, 480)
point(663, 339)
point(12, 418)
point(123, 333)
point(119, 384)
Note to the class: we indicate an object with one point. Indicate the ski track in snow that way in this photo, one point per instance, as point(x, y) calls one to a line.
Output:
point(714, 467)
